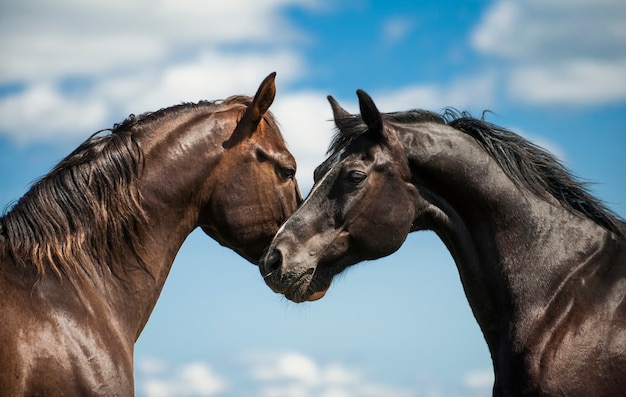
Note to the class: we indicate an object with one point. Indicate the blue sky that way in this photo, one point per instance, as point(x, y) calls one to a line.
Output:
point(551, 70)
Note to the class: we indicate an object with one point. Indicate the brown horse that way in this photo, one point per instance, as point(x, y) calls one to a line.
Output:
point(542, 262)
point(85, 253)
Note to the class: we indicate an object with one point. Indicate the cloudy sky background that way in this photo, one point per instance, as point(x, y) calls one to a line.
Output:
point(552, 70)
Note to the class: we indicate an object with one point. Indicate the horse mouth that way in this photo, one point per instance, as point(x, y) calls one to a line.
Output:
point(297, 296)
point(300, 283)
point(305, 287)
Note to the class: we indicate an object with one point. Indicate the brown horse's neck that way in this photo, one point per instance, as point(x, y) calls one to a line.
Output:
point(119, 273)
point(170, 199)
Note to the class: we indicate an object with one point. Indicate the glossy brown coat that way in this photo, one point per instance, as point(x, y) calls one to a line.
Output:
point(85, 253)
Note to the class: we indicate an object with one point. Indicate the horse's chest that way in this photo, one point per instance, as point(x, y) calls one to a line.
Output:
point(59, 356)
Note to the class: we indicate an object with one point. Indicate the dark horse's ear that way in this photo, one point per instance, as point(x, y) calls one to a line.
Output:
point(371, 116)
point(340, 114)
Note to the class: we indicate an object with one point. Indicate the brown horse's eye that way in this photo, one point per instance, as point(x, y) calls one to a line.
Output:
point(287, 172)
point(355, 177)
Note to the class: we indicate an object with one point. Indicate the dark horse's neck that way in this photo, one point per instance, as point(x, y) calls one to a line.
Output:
point(519, 253)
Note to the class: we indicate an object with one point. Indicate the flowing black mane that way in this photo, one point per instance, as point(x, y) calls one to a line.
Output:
point(524, 162)
point(88, 206)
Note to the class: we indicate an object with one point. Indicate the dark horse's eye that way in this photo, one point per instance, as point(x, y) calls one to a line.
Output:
point(287, 172)
point(355, 177)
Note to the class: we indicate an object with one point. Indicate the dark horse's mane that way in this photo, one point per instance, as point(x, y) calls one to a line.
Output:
point(87, 209)
point(524, 162)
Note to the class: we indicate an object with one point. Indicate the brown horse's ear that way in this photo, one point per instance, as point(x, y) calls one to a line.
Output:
point(371, 116)
point(340, 115)
point(254, 113)
point(263, 99)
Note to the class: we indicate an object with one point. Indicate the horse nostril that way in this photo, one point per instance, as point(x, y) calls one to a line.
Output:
point(272, 262)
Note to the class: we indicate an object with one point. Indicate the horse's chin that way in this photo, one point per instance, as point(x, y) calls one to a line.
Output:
point(316, 296)
point(318, 292)
point(305, 293)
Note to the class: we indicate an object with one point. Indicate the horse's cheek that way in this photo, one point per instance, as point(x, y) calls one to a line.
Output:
point(399, 222)
point(385, 228)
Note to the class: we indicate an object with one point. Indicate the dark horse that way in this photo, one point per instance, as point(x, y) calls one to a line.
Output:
point(85, 253)
point(542, 262)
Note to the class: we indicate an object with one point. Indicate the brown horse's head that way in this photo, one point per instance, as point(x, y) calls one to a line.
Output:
point(361, 207)
point(101, 231)
point(253, 187)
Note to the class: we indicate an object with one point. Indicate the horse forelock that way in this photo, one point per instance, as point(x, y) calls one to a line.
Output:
point(351, 128)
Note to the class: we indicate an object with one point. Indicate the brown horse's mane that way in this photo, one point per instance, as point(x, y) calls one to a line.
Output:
point(524, 162)
point(87, 209)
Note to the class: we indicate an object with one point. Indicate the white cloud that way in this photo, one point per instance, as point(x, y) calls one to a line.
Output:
point(292, 374)
point(496, 22)
point(193, 379)
point(479, 380)
point(306, 122)
point(553, 29)
point(463, 94)
point(134, 57)
point(151, 366)
point(297, 375)
point(574, 82)
point(210, 75)
point(559, 52)
point(133, 65)
point(290, 366)
point(43, 111)
point(68, 37)
point(396, 29)
point(53, 55)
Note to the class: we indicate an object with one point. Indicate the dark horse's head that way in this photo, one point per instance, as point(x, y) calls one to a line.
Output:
point(361, 207)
